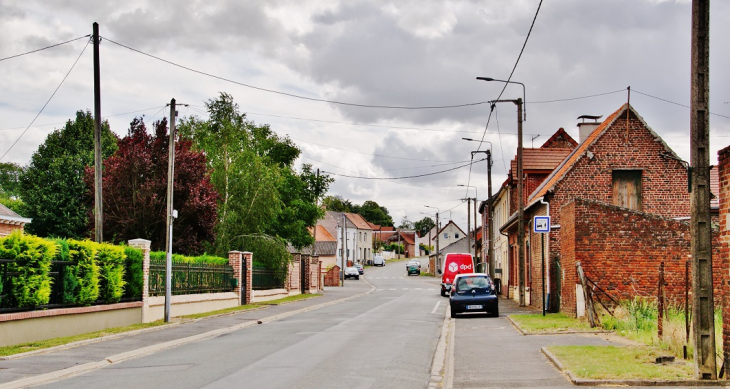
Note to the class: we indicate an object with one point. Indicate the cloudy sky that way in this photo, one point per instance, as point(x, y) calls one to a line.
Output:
point(410, 53)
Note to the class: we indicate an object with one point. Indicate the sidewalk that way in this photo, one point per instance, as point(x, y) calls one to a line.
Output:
point(91, 355)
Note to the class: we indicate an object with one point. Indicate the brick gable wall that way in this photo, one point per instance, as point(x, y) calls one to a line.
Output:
point(664, 182)
point(724, 241)
point(623, 251)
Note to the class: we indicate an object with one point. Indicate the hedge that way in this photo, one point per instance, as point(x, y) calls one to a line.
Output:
point(33, 258)
point(161, 256)
point(100, 271)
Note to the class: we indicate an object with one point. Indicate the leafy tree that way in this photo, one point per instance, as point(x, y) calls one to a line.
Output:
point(424, 225)
point(406, 224)
point(10, 179)
point(135, 191)
point(263, 202)
point(372, 212)
point(53, 187)
point(337, 203)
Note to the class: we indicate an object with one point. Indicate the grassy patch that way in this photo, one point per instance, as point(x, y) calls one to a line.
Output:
point(43, 344)
point(550, 323)
point(427, 275)
point(289, 299)
point(620, 362)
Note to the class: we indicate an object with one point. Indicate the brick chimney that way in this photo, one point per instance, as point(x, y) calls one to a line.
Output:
point(586, 128)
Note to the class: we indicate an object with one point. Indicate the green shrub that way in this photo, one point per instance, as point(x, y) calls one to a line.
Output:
point(134, 275)
point(161, 256)
point(33, 256)
point(69, 282)
point(110, 259)
point(86, 271)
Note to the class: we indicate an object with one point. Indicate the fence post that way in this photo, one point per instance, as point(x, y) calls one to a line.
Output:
point(235, 260)
point(144, 245)
point(247, 264)
point(314, 270)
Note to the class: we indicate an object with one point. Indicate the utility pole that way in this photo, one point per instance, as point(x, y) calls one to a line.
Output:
point(468, 224)
point(344, 246)
point(438, 249)
point(475, 227)
point(702, 297)
point(98, 204)
point(170, 210)
point(316, 190)
point(490, 251)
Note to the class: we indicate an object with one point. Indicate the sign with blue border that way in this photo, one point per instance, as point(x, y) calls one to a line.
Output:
point(541, 224)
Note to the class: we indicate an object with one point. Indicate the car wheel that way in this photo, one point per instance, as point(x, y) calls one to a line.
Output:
point(495, 313)
point(453, 314)
point(443, 292)
point(357, 277)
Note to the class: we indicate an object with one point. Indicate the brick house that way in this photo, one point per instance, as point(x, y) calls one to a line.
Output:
point(11, 221)
point(537, 165)
point(620, 162)
point(723, 206)
point(407, 239)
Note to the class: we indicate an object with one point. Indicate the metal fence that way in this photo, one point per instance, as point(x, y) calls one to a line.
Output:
point(191, 278)
point(264, 279)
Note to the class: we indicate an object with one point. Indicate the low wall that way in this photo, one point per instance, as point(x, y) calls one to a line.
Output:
point(270, 294)
point(188, 304)
point(33, 326)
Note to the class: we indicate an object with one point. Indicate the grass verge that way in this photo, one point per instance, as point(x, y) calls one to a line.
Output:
point(550, 323)
point(251, 306)
point(427, 274)
point(620, 363)
point(43, 344)
point(290, 299)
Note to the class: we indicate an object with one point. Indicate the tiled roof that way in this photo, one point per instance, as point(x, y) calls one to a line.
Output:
point(559, 135)
point(323, 235)
point(323, 249)
point(451, 222)
point(409, 237)
point(5, 211)
point(384, 228)
point(579, 151)
point(540, 159)
point(383, 235)
point(358, 221)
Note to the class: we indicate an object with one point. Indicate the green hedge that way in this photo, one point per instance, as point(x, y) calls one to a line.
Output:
point(160, 256)
point(100, 271)
point(33, 258)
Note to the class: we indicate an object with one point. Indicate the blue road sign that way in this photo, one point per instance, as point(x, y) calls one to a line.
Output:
point(541, 224)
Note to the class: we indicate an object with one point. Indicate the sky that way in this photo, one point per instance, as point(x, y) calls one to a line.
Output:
point(291, 63)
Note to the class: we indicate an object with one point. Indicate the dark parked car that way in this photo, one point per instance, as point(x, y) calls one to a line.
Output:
point(413, 267)
point(360, 269)
point(351, 272)
point(473, 292)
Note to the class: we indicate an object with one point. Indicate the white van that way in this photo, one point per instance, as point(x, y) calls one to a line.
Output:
point(378, 261)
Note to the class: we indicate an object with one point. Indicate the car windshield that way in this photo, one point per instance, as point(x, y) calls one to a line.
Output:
point(467, 283)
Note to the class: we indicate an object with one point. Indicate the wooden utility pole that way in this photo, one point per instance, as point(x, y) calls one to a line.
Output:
point(490, 251)
point(170, 210)
point(475, 228)
point(316, 190)
point(98, 202)
point(703, 317)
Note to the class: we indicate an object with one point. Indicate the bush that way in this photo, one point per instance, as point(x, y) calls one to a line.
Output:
point(86, 271)
point(33, 256)
point(161, 256)
point(111, 265)
point(134, 276)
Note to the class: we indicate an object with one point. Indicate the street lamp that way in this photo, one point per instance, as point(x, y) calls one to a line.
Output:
point(468, 218)
point(438, 249)
point(490, 231)
point(524, 98)
point(520, 185)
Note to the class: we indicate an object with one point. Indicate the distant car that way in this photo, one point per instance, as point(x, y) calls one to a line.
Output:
point(351, 272)
point(378, 261)
point(413, 267)
point(473, 292)
point(360, 269)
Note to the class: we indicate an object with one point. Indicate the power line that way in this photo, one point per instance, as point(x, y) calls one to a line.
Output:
point(48, 101)
point(291, 94)
point(577, 98)
point(104, 117)
point(672, 102)
point(45, 48)
point(376, 155)
point(400, 178)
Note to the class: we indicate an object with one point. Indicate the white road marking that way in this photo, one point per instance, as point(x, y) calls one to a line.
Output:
point(436, 307)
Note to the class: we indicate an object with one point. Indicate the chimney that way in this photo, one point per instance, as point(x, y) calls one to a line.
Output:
point(585, 129)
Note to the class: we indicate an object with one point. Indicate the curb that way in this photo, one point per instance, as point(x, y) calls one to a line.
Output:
point(633, 382)
point(441, 363)
point(87, 367)
point(523, 332)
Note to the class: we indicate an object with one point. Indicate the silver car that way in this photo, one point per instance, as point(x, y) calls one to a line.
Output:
point(351, 272)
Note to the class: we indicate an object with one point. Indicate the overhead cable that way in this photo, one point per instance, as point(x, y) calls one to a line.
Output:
point(45, 48)
point(404, 177)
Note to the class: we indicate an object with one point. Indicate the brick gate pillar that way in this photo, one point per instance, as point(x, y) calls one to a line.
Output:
point(247, 269)
point(307, 279)
point(144, 245)
point(235, 260)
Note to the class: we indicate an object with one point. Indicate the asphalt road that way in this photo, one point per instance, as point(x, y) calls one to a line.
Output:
point(385, 339)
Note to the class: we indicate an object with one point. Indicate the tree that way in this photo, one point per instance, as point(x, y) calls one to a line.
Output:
point(337, 203)
point(372, 212)
point(424, 225)
point(52, 186)
point(405, 224)
point(135, 191)
point(10, 179)
point(264, 203)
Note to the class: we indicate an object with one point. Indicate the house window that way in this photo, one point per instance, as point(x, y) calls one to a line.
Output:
point(627, 189)
point(446, 235)
point(456, 235)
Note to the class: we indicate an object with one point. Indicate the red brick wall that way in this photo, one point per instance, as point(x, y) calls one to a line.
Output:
point(6, 229)
point(724, 241)
point(332, 277)
point(664, 182)
point(621, 251)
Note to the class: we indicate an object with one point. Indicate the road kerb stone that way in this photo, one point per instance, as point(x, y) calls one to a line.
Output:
point(441, 358)
point(54, 376)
